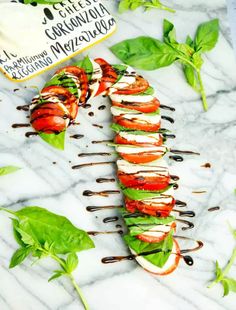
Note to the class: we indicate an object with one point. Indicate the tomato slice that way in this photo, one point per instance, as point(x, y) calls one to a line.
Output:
point(135, 125)
point(64, 95)
point(81, 76)
point(162, 210)
point(49, 118)
point(109, 76)
point(153, 236)
point(141, 158)
point(139, 86)
point(145, 107)
point(121, 140)
point(153, 183)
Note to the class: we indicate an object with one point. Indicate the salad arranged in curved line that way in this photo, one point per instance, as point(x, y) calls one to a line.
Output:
point(143, 174)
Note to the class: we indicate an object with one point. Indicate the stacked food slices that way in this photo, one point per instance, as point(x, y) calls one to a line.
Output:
point(143, 174)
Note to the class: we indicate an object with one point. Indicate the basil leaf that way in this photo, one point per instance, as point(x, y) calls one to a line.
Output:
point(55, 140)
point(61, 79)
point(117, 127)
point(190, 42)
point(44, 226)
point(207, 35)
point(191, 77)
point(87, 65)
point(8, 169)
point(229, 284)
point(136, 194)
point(169, 32)
point(71, 262)
point(19, 256)
point(57, 274)
point(149, 91)
point(163, 249)
point(145, 53)
point(138, 225)
point(121, 70)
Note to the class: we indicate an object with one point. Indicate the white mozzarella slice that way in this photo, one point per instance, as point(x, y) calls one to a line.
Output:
point(133, 150)
point(131, 98)
point(154, 269)
point(127, 79)
point(148, 138)
point(50, 98)
point(158, 230)
point(95, 78)
point(149, 169)
point(164, 198)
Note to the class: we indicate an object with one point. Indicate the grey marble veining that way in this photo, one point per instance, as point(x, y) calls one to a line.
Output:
point(59, 188)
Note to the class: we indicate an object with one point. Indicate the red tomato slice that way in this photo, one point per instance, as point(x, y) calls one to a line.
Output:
point(121, 140)
point(141, 158)
point(145, 107)
point(69, 100)
point(139, 86)
point(153, 183)
point(81, 75)
point(109, 76)
point(138, 205)
point(49, 124)
point(132, 124)
point(161, 236)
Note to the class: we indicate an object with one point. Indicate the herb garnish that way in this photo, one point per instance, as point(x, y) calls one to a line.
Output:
point(148, 53)
point(8, 169)
point(56, 140)
point(45, 234)
point(125, 5)
point(229, 284)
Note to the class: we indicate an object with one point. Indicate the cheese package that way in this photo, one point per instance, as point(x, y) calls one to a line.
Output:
point(35, 38)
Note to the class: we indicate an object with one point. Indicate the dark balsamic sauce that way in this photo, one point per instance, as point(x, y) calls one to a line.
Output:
point(169, 136)
point(199, 192)
point(91, 114)
point(106, 193)
point(105, 180)
point(174, 177)
point(24, 107)
point(188, 225)
point(166, 107)
point(102, 107)
point(185, 213)
point(20, 125)
point(95, 233)
point(101, 141)
point(184, 152)
point(31, 133)
point(98, 208)
point(92, 164)
point(176, 158)
point(96, 125)
point(77, 136)
point(118, 226)
point(180, 203)
point(94, 154)
point(110, 219)
point(168, 118)
point(214, 209)
point(206, 165)
point(86, 106)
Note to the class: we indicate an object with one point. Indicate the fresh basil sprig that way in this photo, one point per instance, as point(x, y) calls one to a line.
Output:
point(8, 169)
point(41, 233)
point(125, 5)
point(149, 53)
point(229, 284)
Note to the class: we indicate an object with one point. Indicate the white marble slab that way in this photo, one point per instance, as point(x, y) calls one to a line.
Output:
point(59, 188)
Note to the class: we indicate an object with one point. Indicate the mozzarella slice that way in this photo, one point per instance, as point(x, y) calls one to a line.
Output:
point(127, 79)
point(135, 149)
point(95, 78)
point(164, 198)
point(154, 269)
point(131, 98)
point(137, 116)
point(147, 138)
point(158, 230)
point(150, 169)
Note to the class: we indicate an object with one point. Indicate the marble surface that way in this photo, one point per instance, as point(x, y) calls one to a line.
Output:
point(59, 188)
